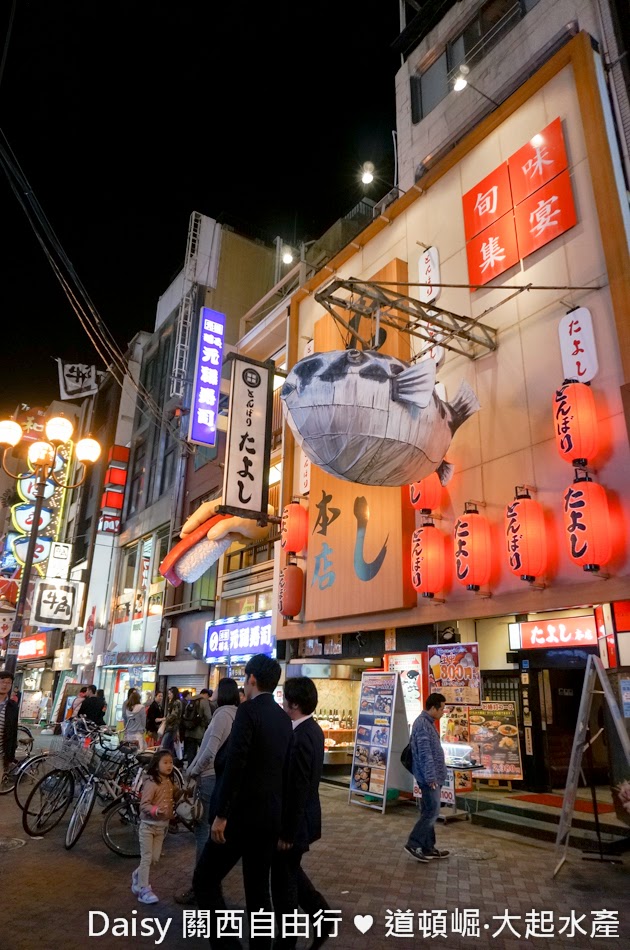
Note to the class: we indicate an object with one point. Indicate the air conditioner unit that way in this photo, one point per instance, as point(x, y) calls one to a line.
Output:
point(172, 635)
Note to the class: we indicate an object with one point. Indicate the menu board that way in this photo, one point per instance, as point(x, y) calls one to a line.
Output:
point(454, 725)
point(494, 738)
point(373, 738)
point(454, 672)
point(409, 668)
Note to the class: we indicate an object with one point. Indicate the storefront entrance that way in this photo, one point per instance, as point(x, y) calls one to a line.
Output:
point(560, 693)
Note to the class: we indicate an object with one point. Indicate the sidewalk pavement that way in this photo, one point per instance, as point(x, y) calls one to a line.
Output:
point(360, 865)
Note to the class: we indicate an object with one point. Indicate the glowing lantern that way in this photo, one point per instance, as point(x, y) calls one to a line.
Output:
point(526, 537)
point(575, 421)
point(294, 528)
point(428, 563)
point(587, 522)
point(426, 494)
point(290, 591)
point(473, 549)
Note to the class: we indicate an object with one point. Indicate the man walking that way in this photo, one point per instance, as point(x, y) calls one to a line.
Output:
point(8, 722)
point(301, 812)
point(92, 707)
point(248, 803)
point(430, 773)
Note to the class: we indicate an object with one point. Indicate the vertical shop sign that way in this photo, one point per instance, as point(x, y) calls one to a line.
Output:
point(207, 378)
point(429, 275)
point(537, 162)
point(488, 201)
point(245, 484)
point(493, 251)
point(545, 215)
point(577, 346)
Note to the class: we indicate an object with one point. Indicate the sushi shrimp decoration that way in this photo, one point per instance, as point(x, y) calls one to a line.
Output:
point(205, 537)
point(373, 419)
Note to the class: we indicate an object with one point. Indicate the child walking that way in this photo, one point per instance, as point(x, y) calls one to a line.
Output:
point(156, 810)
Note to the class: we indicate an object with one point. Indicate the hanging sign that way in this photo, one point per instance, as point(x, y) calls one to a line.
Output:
point(27, 483)
point(559, 632)
point(454, 672)
point(207, 378)
point(22, 518)
point(494, 738)
point(59, 561)
point(42, 549)
point(245, 484)
point(429, 274)
point(56, 602)
point(577, 345)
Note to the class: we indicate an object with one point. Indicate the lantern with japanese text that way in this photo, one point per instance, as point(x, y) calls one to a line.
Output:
point(428, 561)
point(473, 548)
point(526, 537)
point(425, 495)
point(290, 591)
point(294, 531)
point(575, 422)
point(587, 523)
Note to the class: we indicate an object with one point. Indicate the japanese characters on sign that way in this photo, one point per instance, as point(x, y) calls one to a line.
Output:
point(22, 517)
point(207, 378)
point(493, 251)
point(59, 561)
point(239, 636)
point(76, 380)
point(248, 446)
point(56, 602)
point(454, 672)
point(409, 668)
point(577, 345)
point(537, 162)
point(563, 632)
point(487, 202)
point(545, 215)
point(428, 275)
point(495, 740)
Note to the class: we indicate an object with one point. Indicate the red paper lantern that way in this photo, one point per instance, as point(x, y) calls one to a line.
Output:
point(428, 562)
point(587, 523)
point(575, 421)
point(426, 494)
point(294, 531)
point(473, 549)
point(290, 591)
point(526, 537)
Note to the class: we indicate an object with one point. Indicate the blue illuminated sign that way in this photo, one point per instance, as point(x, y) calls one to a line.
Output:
point(239, 637)
point(207, 378)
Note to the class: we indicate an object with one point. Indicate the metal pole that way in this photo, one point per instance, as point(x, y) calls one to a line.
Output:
point(12, 651)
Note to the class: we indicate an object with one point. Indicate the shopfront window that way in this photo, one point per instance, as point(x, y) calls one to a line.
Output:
point(247, 604)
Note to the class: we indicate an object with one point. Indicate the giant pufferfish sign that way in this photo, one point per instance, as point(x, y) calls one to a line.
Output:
point(373, 419)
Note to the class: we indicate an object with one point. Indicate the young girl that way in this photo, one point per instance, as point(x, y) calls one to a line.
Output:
point(156, 810)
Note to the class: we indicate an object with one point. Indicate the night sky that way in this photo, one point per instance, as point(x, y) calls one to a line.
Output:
point(126, 116)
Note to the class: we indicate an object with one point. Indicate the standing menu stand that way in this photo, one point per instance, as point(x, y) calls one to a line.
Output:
point(382, 733)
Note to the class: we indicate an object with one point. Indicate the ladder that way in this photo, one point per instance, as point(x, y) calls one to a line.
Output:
point(185, 315)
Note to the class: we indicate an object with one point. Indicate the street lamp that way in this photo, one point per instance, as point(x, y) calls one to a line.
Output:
point(41, 457)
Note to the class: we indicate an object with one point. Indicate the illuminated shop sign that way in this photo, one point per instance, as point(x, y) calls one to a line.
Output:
point(31, 648)
point(239, 636)
point(207, 378)
point(559, 632)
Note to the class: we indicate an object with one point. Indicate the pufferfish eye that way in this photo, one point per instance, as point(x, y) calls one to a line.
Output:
point(355, 356)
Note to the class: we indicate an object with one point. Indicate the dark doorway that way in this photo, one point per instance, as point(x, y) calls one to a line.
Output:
point(560, 694)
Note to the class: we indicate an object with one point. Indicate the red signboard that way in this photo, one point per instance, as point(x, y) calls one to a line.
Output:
point(31, 648)
point(559, 632)
point(538, 162)
point(545, 215)
point(487, 202)
point(493, 251)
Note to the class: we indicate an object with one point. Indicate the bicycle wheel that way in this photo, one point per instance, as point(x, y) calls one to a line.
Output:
point(30, 773)
point(80, 815)
point(121, 821)
point(48, 802)
point(9, 778)
point(178, 778)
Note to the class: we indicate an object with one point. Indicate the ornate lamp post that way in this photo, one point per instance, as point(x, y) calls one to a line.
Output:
point(41, 457)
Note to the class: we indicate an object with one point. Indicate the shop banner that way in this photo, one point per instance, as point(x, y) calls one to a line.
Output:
point(454, 672)
point(409, 668)
point(495, 741)
point(246, 472)
point(56, 603)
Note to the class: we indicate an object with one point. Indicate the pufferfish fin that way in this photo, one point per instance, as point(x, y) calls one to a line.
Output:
point(445, 472)
point(463, 406)
point(415, 384)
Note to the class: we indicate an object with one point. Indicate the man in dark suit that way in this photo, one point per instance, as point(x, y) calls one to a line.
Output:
point(301, 813)
point(248, 802)
point(8, 722)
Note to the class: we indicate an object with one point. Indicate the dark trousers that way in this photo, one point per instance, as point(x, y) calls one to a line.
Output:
point(292, 888)
point(216, 862)
point(191, 747)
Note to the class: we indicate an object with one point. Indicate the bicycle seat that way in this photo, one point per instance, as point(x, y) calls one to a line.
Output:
point(144, 757)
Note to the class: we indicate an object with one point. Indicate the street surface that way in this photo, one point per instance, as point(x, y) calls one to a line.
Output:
point(359, 865)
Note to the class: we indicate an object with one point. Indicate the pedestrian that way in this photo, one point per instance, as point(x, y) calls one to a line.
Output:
point(8, 722)
point(156, 810)
point(93, 708)
point(241, 693)
point(172, 720)
point(429, 771)
point(76, 703)
point(135, 720)
point(195, 720)
point(202, 766)
point(301, 813)
point(248, 801)
point(154, 717)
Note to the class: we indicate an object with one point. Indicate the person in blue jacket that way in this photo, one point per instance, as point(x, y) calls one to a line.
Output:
point(429, 771)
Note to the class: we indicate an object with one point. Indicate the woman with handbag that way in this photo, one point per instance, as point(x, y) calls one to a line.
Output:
point(135, 719)
point(202, 768)
point(171, 724)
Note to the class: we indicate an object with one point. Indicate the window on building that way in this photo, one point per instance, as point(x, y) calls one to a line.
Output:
point(128, 575)
point(136, 487)
point(168, 466)
point(247, 603)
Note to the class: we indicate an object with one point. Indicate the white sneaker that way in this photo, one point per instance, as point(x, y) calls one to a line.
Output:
point(146, 896)
point(135, 887)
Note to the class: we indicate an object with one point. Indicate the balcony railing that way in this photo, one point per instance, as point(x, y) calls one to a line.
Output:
point(251, 555)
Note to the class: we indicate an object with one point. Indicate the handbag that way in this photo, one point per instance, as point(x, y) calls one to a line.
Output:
point(190, 810)
point(406, 758)
point(161, 728)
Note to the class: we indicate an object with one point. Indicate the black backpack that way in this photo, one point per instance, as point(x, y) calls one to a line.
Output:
point(192, 714)
point(407, 758)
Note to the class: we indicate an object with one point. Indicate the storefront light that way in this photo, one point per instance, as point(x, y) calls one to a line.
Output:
point(514, 636)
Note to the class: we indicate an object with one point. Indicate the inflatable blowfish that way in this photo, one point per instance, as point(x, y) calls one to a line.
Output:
point(373, 419)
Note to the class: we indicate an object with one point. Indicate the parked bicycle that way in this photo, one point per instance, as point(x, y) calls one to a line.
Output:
point(22, 754)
